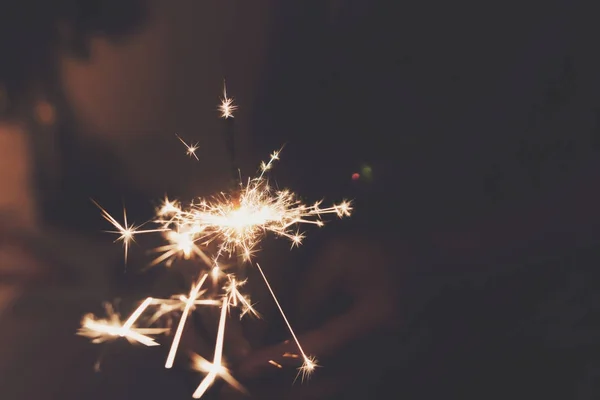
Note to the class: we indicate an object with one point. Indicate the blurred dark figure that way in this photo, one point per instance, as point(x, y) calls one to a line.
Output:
point(44, 287)
point(36, 36)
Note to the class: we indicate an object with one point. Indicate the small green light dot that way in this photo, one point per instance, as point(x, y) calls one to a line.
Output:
point(367, 172)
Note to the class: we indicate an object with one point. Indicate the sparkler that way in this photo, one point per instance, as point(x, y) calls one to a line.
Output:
point(191, 148)
point(227, 106)
point(229, 225)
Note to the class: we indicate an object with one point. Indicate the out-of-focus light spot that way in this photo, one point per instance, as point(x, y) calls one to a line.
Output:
point(45, 113)
point(355, 176)
point(367, 172)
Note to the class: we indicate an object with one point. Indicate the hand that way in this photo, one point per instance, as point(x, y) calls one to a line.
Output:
point(352, 267)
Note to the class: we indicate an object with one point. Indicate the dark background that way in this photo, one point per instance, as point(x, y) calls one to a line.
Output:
point(480, 124)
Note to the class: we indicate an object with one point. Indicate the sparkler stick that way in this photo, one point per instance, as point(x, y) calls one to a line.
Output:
point(227, 107)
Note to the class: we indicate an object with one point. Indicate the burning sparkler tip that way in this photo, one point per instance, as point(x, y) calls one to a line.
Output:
point(190, 148)
point(227, 106)
point(307, 368)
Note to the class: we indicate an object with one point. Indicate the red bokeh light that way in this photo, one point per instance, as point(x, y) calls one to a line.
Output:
point(355, 176)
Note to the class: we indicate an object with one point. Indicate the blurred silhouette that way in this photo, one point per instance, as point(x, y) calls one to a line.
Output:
point(36, 36)
point(47, 277)
point(483, 143)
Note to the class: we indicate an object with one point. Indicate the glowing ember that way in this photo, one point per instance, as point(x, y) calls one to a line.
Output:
point(227, 107)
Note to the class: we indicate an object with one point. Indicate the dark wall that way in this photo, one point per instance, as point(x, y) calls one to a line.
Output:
point(460, 108)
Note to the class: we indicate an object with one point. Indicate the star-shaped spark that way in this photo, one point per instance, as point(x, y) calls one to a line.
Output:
point(227, 107)
point(237, 299)
point(307, 368)
point(182, 241)
point(126, 231)
point(190, 148)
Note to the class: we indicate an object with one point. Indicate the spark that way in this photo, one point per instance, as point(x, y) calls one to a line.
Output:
point(191, 148)
point(215, 274)
point(102, 330)
point(227, 107)
point(309, 363)
point(181, 242)
point(168, 207)
point(236, 221)
point(216, 368)
point(126, 231)
point(178, 303)
point(307, 368)
point(189, 304)
point(237, 299)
